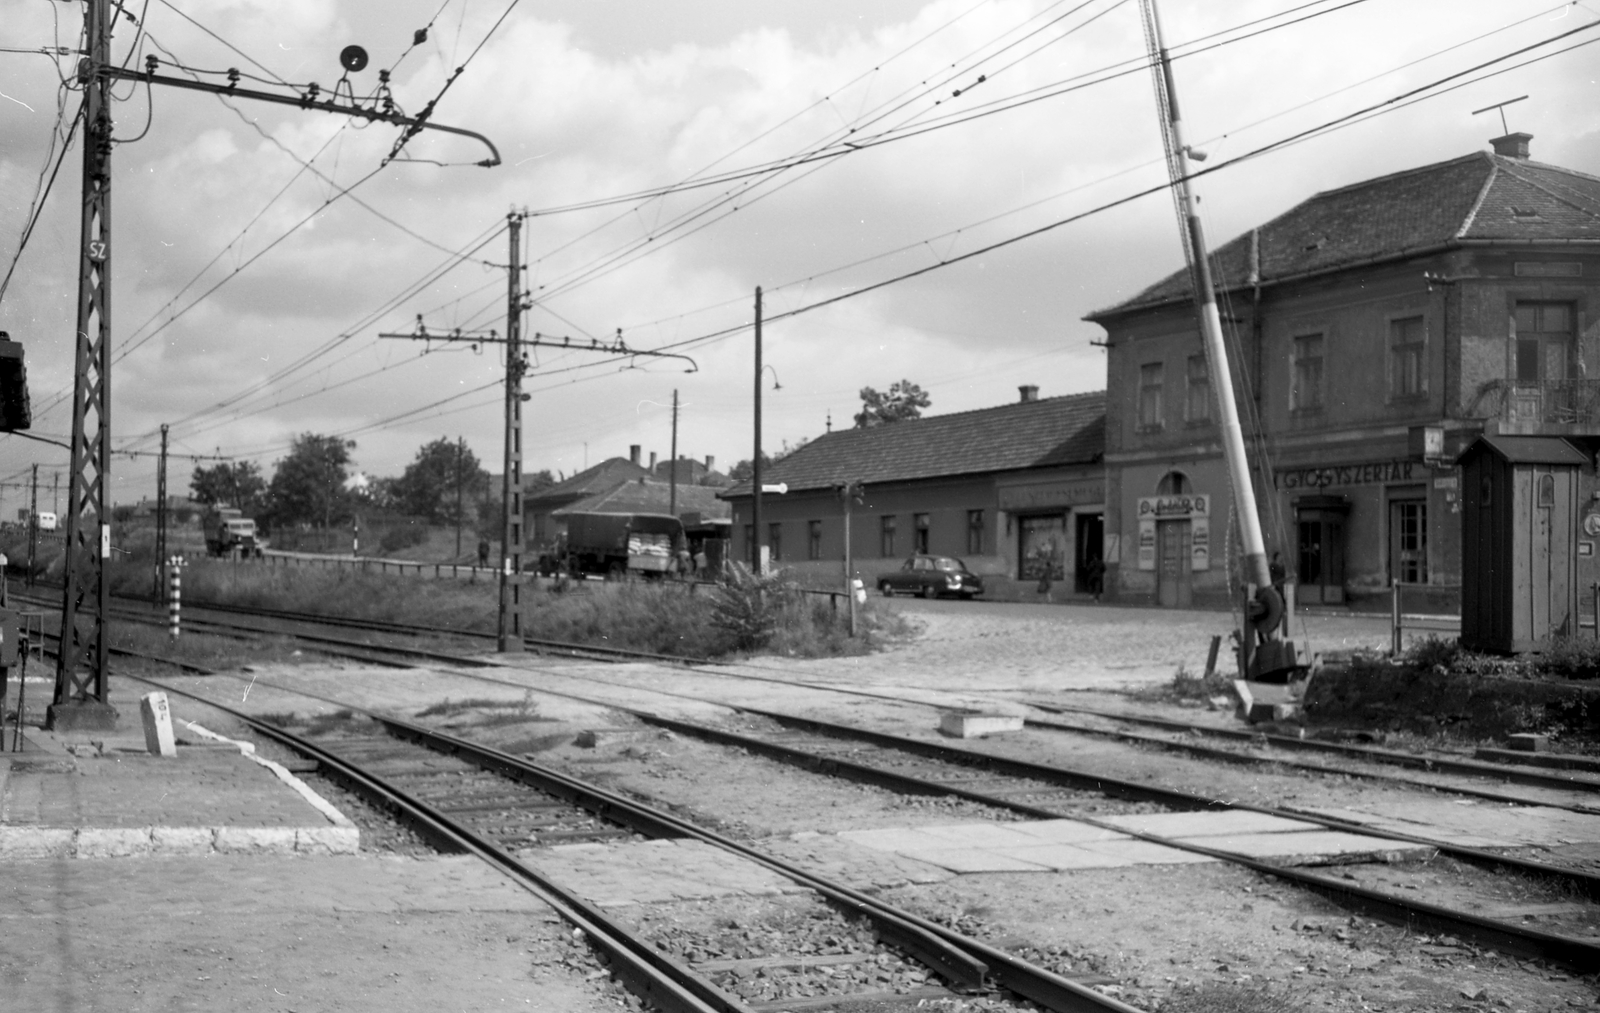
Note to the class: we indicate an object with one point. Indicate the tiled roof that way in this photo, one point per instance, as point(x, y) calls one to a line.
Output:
point(649, 497)
point(1024, 434)
point(600, 478)
point(1475, 198)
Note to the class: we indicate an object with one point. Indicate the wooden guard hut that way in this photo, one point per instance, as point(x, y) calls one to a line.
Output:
point(1519, 585)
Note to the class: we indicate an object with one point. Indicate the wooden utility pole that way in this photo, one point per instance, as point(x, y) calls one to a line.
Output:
point(755, 460)
point(33, 523)
point(672, 488)
point(510, 628)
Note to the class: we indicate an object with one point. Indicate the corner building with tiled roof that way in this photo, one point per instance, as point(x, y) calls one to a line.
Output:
point(1374, 331)
point(1005, 489)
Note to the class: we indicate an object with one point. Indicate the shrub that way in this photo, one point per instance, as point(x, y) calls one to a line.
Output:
point(1433, 651)
point(1569, 658)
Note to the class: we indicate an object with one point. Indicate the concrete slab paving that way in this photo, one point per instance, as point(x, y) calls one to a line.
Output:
point(1474, 823)
point(1065, 831)
point(1063, 857)
point(1131, 852)
point(894, 839)
point(980, 835)
point(969, 860)
point(1209, 824)
point(854, 865)
point(1313, 846)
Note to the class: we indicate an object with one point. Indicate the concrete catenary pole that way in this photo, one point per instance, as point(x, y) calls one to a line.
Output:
point(510, 626)
point(161, 509)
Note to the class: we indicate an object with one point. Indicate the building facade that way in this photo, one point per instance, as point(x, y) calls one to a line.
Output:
point(1013, 491)
point(1374, 332)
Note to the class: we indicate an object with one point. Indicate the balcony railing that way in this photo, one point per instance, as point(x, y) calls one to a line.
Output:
point(1552, 403)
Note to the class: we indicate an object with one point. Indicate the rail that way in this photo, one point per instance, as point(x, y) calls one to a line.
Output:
point(1400, 620)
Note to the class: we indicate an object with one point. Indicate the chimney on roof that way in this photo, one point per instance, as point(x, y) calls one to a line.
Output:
point(711, 463)
point(652, 460)
point(633, 452)
point(1512, 145)
point(1030, 392)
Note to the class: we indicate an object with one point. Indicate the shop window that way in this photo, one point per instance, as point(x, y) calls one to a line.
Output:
point(1041, 546)
point(1305, 393)
point(1150, 382)
point(775, 540)
point(814, 543)
point(886, 537)
point(1197, 399)
point(974, 532)
point(1543, 341)
point(921, 526)
point(1407, 355)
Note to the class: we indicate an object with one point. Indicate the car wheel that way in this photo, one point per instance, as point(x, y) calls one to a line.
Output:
point(888, 592)
point(929, 591)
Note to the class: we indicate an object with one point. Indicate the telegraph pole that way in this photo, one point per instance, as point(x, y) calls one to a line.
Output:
point(510, 630)
point(755, 461)
point(80, 700)
point(33, 522)
point(672, 490)
point(161, 511)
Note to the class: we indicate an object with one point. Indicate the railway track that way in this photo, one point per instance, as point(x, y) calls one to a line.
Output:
point(503, 808)
point(210, 618)
point(1042, 791)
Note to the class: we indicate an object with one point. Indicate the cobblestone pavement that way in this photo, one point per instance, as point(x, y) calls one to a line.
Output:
point(974, 644)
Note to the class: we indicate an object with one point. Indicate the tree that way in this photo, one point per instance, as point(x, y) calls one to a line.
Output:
point(442, 483)
point(236, 483)
point(308, 485)
point(904, 400)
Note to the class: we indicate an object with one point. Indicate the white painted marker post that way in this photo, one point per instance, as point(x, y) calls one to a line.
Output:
point(157, 724)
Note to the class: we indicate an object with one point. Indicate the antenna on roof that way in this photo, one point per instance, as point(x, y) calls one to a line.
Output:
point(1501, 106)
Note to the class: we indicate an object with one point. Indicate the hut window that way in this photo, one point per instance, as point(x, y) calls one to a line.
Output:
point(1547, 490)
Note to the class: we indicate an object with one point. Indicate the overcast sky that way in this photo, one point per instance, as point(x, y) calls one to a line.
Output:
point(214, 296)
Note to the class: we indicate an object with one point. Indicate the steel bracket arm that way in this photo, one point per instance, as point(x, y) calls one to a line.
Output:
point(301, 101)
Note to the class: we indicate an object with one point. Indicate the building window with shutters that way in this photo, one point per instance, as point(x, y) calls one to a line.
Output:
point(775, 540)
point(886, 537)
point(922, 528)
point(815, 541)
point(974, 532)
point(1150, 396)
point(1305, 392)
point(1197, 396)
point(1407, 356)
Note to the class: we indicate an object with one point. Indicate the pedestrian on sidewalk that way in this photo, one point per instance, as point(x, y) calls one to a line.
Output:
point(483, 552)
point(1095, 573)
point(1047, 567)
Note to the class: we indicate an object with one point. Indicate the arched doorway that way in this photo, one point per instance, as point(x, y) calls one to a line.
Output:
point(1174, 548)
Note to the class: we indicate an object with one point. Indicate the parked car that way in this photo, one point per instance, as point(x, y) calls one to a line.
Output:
point(931, 576)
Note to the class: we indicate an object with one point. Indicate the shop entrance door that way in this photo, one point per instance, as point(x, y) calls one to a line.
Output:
point(1090, 547)
point(1172, 564)
point(1408, 541)
point(1319, 549)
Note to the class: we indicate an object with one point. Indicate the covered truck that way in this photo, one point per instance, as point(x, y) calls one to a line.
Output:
point(229, 532)
point(616, 545)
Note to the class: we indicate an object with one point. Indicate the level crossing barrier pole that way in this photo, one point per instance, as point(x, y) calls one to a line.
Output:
point(174, 594)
